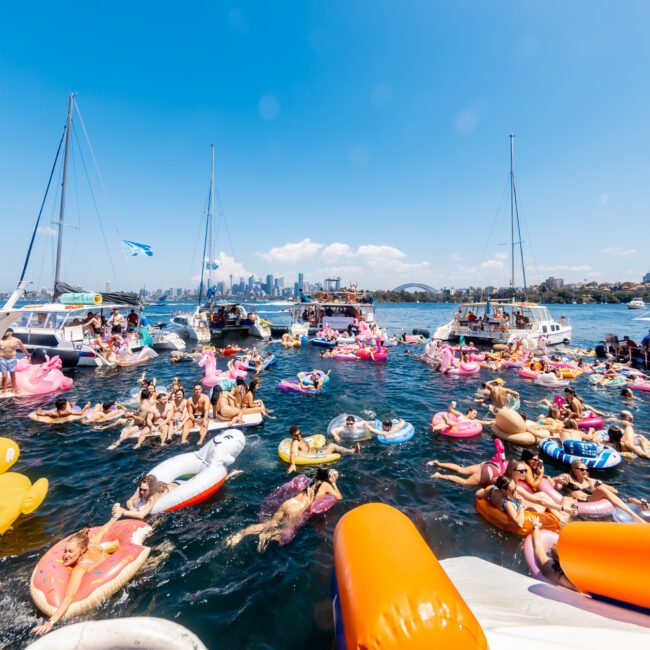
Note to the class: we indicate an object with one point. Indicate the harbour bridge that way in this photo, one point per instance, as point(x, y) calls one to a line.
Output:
point(415, 285)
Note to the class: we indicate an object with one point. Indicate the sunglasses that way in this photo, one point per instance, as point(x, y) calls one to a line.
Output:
point(523, 471)
point(582, 469)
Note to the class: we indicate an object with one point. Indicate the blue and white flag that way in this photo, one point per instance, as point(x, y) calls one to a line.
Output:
point(210, 266)
point(133, 249)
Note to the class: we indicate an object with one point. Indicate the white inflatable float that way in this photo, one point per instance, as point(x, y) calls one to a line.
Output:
point(207, 469)
point(249, 420)
point(143, 632)
point(518, 612)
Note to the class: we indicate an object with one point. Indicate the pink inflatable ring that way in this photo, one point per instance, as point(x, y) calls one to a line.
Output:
point(461, 428)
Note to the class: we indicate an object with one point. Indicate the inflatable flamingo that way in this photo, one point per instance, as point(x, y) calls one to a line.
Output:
point(364, 330)
point(237, 369)
point(211, 375)
point(445, 355)
point(377, 354)
point(41, 378)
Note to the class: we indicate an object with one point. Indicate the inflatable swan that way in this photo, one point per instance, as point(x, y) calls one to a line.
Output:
point(41, 378)
point(17, 494)
point(206, 467)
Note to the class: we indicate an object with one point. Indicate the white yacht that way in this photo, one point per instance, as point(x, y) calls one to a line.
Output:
point(500, 321)
point(637, 303)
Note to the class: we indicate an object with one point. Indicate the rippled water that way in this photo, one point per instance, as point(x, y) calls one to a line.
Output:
point(236, 598)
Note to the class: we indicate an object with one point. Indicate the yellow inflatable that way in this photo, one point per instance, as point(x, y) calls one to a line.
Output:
point(314, 457)
point(17, 494)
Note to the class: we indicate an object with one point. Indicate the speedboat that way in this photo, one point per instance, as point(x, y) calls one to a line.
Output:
point(637, 303)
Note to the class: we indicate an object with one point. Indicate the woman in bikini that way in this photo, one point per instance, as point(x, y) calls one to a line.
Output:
point(224, 406)
point(291, 511)
point(82, 553)
point(250, 404)
point(480, 474)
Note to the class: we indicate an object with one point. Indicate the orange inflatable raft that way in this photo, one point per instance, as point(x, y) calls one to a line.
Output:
point(389, 590)
point(608, 560)
point(501, 520)
point(50, 577)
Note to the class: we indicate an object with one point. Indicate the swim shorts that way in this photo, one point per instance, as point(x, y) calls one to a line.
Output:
point(8, 365)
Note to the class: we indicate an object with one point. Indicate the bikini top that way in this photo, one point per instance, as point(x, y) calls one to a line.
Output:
point(573, 487)
point(92, 562)
point(504, 501)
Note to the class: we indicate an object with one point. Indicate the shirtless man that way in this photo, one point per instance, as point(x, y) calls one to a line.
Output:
point(138, 420)
point(62, 409)
point(198, 412)
point(500, 396)
point(158, 420)
point(632, 441)
point(8, 346)
point(298, 444)
point(109, 411)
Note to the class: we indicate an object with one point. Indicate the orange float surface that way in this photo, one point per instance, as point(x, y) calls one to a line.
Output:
point(394, 595)
point(608, 559)
point(501, 520)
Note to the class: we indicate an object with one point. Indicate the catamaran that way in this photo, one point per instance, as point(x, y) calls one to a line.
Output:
point(62, 327)
point(502, 321)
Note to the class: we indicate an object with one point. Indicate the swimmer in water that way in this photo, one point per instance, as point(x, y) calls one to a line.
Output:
point(299, 444)
point(388, 429)
point(62, 409)
point(150, 489)
point(291, 511)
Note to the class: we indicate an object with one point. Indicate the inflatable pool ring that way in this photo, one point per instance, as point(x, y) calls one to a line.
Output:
point(45, 419)
point(616, 382)
point(549, 380)
point(287, 491)
point(606, 457)
point(513, 364)
point(345, 356)
point(465, 368)
point(570, 373)
point(251, 367)
point(410, 339)
point(50, 577)
point(323, 343)
point(527, 373)
point(640, 385)
point(305, 377)
point(591, 421)
point(461, 428)
point(608, 560)
point(17, 493)
point(511, 427)
point(312, 457)
point(294, 385)
point(503, 522)
point(402, 435)
point(600, 508)
point(211, 376)
point(41, 378)
point(345, 340)
point(358, 432)
point(199, 473)
point(548, 539)
point(141, 632)
point(622, 517)
point(389, 592)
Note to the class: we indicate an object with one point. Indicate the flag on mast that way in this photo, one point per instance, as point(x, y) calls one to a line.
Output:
point(133, 249)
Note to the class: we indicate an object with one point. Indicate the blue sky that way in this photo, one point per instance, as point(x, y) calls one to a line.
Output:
point(366, 139)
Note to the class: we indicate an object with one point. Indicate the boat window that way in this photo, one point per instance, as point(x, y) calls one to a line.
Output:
point(544, 329)
point(40, 319)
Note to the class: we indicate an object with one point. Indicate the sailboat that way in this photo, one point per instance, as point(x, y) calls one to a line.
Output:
point(60, 328)
point(215, 319)
point(504, 320)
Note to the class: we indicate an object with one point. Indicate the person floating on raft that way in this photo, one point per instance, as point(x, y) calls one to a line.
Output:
point(300, 445)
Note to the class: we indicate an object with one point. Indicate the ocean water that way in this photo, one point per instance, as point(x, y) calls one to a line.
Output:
point(238, 598)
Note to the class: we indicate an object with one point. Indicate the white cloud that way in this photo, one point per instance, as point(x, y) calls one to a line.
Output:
point(619, 250)
point(268, 107)
point(466, 121)
point(374, 252)
point(292, 252)
point(228, 266)
point(47, 231)
point(337, 251)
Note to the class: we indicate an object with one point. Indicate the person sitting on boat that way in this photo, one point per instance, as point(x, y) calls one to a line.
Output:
point(548, 560)
point(92, 324)
point(138, 506)
point(250, 404)
point(291, 511)
point(578, 484)
point(132, 321)
point(299, 444)
point(116, 322)
point(645, 342)
point(179, 410)
point(82, 553)
point(62, 409)
point(198, 413)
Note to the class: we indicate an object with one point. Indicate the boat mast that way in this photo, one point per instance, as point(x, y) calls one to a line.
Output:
point(59, 242)
point(512, 216)
point(211, 219)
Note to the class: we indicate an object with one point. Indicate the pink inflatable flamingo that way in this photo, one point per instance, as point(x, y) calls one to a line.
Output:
point(211, 376)
point(364, 330)
point(237, 369)
point(377, 354)
point(41, 378)
point(445, 355)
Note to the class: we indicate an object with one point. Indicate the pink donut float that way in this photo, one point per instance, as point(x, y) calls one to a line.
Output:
point(591, 421)
point(465, 368)
point(459, 429)
point(600, 508)
point(549, 539)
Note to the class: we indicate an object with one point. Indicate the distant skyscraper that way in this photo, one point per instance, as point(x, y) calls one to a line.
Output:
point(338, 284)
point(251, 282)
point(269, 285)
point(646, 277)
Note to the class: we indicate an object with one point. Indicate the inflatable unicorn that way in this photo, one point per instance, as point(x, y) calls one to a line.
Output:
point(211, 376)
point(41, 378)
